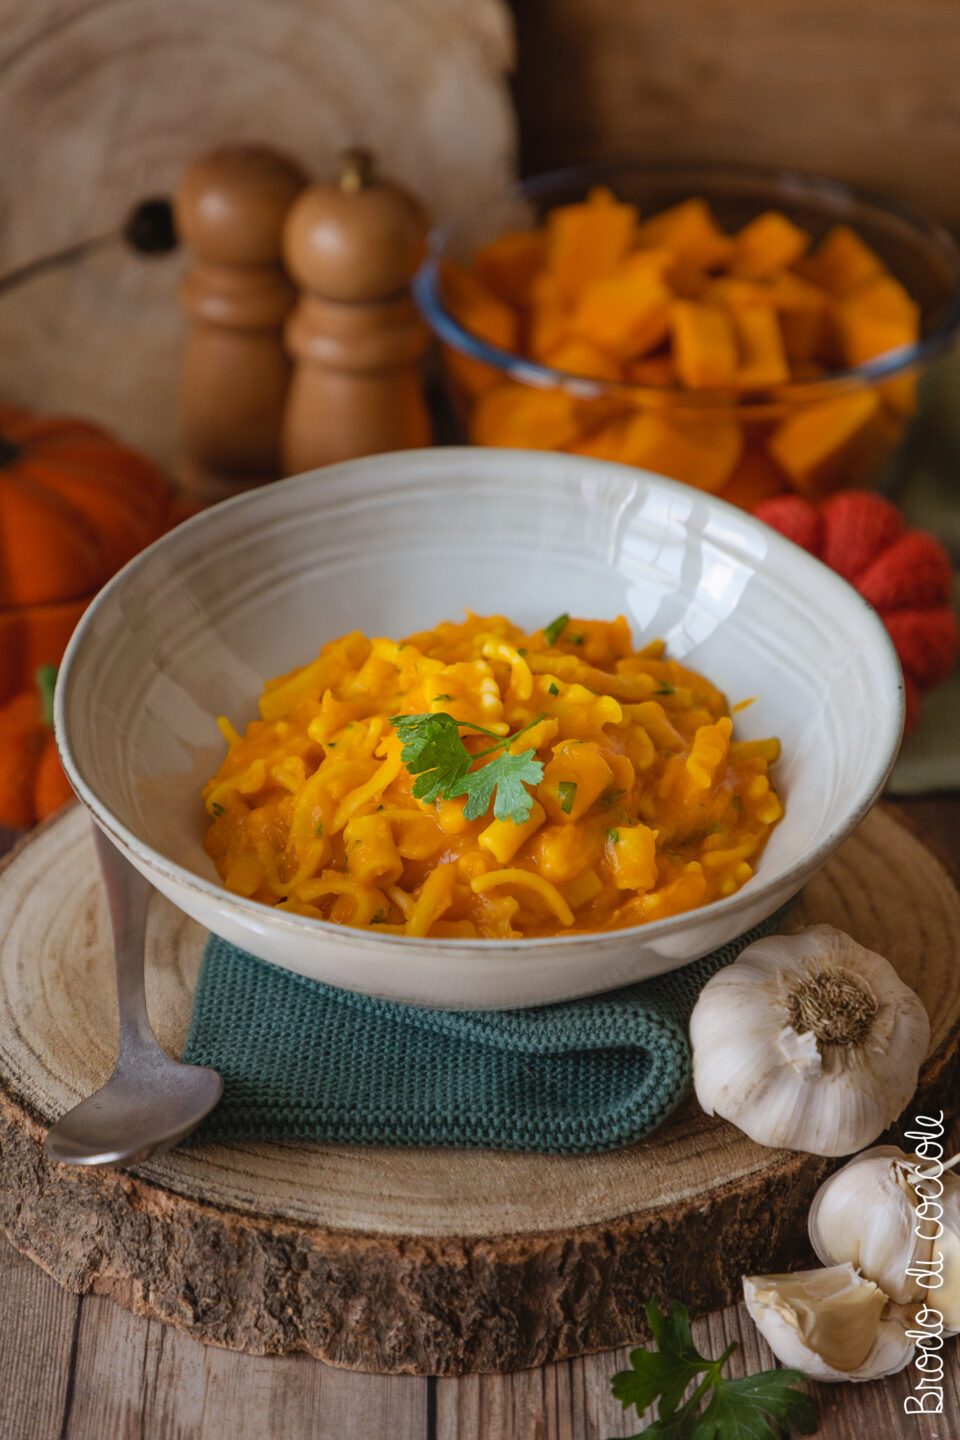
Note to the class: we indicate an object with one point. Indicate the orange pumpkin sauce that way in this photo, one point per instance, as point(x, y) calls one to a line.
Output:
point(647, 806)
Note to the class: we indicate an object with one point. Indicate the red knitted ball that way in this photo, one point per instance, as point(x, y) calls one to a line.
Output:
point(905, 574)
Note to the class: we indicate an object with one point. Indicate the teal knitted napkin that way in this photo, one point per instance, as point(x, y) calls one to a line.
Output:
point(304, 1061)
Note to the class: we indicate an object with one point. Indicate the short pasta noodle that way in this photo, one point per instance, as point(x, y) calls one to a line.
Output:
point(621, 796)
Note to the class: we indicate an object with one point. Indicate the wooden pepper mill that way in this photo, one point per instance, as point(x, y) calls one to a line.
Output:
point(353, 245)
point(230, 209)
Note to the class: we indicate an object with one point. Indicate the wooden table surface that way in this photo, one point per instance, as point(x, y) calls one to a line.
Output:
point(80, 1368)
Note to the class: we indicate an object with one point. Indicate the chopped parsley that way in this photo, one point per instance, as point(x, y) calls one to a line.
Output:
point(448, 698)
point(613, 836)
point(567, 790)
point(553, 631)
point(216, 808)
point(577, 639)
point(319, 830)
point(664, 689)
point(768, 1406)
point(553, 689)
point(434, 752)
point(378, 919)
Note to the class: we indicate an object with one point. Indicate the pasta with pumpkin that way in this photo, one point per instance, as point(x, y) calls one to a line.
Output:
point(478, 781)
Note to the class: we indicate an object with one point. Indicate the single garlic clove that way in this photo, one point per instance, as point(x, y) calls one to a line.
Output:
point(809, 1042)
point(866, 1214)
point(831, 1324)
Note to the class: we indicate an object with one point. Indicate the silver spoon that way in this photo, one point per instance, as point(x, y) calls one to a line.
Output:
point(150, 1101)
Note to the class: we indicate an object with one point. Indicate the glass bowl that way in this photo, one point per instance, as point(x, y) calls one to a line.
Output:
point(721, 440)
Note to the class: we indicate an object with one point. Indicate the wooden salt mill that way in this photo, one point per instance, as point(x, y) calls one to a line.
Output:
point(230, 209)
point(356, 338)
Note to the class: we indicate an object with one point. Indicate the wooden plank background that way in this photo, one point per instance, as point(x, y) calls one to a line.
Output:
point(863, 92)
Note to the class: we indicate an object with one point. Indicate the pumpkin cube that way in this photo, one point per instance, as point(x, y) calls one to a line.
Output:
point(704, 345)
point(509, 265)
point(875, 317)
point(477, 308)
point(841, 262)
point(755, 479)
point(522, 417)
point(657, 371)
point(802, 308)
point(632, 857)
point(834, 442)
point(480, 312)
point(587, 240)
point(732, 293)
point(690, 231)
point(702, 453)
point(579, 357)
point(548, 322)
point(767, 244)
point(573, 779)
point(626, 312)
point(603, 444)
point(763, 360)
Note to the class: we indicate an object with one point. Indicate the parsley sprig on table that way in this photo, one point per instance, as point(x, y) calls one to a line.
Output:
point(758, 1407)
point(434, 752)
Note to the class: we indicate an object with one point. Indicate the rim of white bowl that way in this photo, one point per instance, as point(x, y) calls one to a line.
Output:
point(438, 458)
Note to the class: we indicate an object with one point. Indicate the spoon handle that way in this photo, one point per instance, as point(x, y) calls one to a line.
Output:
point(128, 895)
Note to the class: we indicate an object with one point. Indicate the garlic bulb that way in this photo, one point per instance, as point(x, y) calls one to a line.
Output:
point(869, 1213)
point(809, 1042)
point(831, 1324)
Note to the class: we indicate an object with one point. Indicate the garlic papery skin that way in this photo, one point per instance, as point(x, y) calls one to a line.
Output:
point(832, 1324)
point(869, 1214)
point(808, 1042)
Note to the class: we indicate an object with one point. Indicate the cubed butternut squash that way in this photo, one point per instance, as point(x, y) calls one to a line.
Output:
point(767, 244)
point(632, 857)
point(704, 345)
point(523, 417)
point(689, 230)
point(841, 262)
point(574, 777)
point(833, 442)
point(702, 453)
point(509, 265)
point(755, 479)
point(579, 357)
point(762, 359)
point(588, 240)
point(627, 312)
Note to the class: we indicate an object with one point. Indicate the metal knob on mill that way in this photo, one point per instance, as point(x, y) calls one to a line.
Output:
point(355, 337)
point(230, 209)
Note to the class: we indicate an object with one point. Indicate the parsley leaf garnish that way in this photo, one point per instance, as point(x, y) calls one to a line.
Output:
point(434, 752)
point(553, 631)
point(567, 790)
point(758, 1407)
point(553, 689)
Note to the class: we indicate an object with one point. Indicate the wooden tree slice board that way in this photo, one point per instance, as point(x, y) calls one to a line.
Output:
point(426, 1261)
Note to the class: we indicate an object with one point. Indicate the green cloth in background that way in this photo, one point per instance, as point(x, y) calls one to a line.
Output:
point(305, 1061)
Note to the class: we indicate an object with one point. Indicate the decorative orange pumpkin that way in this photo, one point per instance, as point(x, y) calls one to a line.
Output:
point(32, 782)
point(75, 505)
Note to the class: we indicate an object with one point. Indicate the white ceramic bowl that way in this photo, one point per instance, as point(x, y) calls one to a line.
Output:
point(193, 626)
